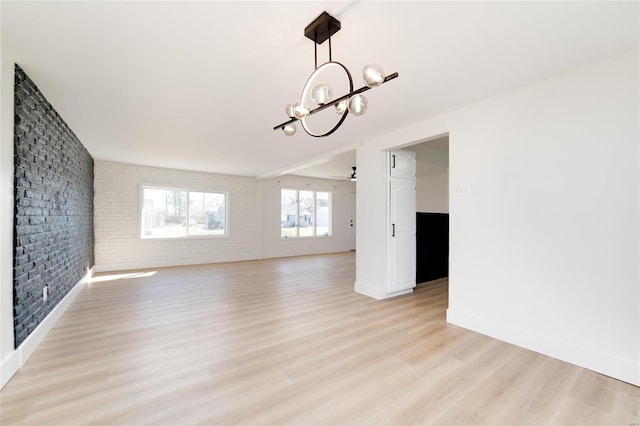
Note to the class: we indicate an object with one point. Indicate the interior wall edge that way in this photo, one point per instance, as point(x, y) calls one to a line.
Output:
point(7, 347)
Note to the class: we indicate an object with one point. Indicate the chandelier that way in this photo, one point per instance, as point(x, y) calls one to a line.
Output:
point(317, 94)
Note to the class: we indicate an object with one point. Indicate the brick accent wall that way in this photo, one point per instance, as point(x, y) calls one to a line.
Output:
point(117, 218)
point(53, 239)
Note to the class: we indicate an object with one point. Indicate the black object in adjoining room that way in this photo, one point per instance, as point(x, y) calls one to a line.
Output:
point(432, 246)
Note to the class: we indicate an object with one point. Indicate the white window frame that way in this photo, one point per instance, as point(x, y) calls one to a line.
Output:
point(314, 215)
point(142, 187)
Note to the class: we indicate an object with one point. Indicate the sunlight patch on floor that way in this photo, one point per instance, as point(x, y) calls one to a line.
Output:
point(122, 276)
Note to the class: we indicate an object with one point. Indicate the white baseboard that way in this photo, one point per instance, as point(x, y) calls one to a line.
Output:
point(18, 358)
point(302, 252)
point(128, 266)
point(10, 366)
point(376, 292)
point(604, 363)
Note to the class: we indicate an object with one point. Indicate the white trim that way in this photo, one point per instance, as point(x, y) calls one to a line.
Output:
point(126, 266)
point(304, 251)
point(143, 186)
point(10, 366)
point(314, 214)
point(18, 358)
point(600, 362)
point(376, 292)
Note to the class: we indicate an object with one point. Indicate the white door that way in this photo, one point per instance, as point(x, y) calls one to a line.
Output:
point(352, 221)
point(401, 253)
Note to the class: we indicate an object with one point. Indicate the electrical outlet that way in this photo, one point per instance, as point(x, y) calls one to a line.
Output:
point(45, 293)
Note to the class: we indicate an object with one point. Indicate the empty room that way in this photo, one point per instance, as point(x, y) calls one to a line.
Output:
point(319, 213)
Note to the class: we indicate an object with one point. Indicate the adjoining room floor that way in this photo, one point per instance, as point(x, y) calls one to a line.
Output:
point(287, 341)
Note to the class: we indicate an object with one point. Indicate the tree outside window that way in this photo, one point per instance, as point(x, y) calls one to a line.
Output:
point(176, 213)
point(304, 213)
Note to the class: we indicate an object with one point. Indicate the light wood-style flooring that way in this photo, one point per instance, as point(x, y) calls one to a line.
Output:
point(287, 341)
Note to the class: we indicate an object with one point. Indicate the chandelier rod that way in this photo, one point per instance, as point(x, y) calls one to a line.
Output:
point(335, 101)
point(315, 48)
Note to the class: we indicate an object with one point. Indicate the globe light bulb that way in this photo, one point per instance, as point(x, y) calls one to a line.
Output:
point(289, 129)
point(289, 110)
point(321, 93)
point(299, 110)
point(358, 105)
point(341, 106)
point(373, 75)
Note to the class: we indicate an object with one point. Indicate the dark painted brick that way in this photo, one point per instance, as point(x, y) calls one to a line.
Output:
point(53, 241)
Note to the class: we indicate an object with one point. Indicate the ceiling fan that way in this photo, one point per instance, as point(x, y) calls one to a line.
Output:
point(352, 178)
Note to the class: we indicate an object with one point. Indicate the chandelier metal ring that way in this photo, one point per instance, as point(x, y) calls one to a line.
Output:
point(307, 88)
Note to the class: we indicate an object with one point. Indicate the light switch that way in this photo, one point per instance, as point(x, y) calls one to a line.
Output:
point(464, 190)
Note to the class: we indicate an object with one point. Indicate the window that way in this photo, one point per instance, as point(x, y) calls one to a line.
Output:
point(178, 213)
point(305, 213)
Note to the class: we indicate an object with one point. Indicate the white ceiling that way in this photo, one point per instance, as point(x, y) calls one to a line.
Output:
point(200, 85)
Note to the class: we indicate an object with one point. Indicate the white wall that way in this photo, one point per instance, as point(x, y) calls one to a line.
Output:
point(432, 177)
point(432, 193)
point(272, 245)
point(254, 228)
point(544, 252)
point(116, 209)
point(9, 363)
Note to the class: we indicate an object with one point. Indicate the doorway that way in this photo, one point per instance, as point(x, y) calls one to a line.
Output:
point(432, 209)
